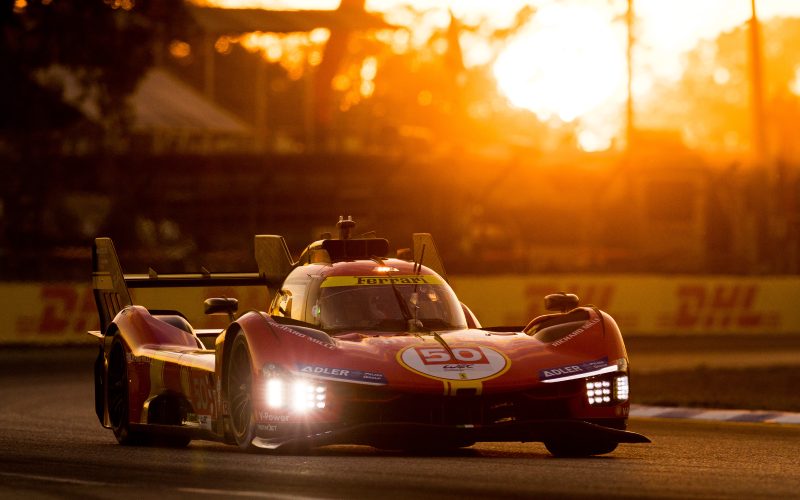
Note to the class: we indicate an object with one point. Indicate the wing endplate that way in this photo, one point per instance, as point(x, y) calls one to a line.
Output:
point(108, 283)
point(431, 257)
point(273, 257)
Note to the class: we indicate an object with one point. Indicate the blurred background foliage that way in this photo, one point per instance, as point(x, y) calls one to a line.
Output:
point(181, 129)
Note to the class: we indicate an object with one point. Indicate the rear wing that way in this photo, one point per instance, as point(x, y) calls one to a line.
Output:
point(110, 286)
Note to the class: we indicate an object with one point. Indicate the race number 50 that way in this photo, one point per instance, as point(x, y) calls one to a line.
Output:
point(440, 355)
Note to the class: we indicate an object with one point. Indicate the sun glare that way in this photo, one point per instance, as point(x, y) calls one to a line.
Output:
point(568, 62)
point(795, 85)
point(568, 65)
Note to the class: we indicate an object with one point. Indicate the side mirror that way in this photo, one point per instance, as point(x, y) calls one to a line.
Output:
point(561, 302)
point(221, 305)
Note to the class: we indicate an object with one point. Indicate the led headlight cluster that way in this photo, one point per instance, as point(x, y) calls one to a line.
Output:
point(607, 391)
point(299, 395)
point(621, 388)
point(598, 392)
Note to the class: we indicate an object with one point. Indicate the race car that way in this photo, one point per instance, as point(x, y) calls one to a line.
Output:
point(355, 347)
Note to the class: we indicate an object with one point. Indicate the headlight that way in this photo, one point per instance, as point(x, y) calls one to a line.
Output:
point(621, 388)
point(598, 392)
point(299, 395)
point(608, 390)
point(276, 393)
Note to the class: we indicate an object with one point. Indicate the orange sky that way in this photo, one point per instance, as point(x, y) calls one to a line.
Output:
point(569, 63)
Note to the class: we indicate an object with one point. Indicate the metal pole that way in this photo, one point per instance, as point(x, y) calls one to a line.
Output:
point(629, 125)
point(759, 135)
point(262, 88)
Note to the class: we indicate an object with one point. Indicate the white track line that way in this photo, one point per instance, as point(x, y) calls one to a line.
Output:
point(752, 416)
point(240, 493)
point(53, 479)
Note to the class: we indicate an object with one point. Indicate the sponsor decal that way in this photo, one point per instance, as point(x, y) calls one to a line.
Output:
point(265, 416)
point(358, 376)
point(136, 359)
point(460, 363)
point(202, 397)
point(381, 280)
point(268, 427)
point(302, 335)
point(577, 332)
point(562, 371)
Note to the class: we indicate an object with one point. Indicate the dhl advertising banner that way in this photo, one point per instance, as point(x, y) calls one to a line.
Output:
point(660, 305)
point(61, 313)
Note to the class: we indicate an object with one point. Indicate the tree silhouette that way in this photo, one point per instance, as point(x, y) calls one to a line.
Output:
point(99, 49)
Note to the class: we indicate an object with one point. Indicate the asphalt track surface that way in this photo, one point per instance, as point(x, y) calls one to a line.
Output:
point(51, 446)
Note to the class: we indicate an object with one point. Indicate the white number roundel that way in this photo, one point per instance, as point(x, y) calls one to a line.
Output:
point(465, 363)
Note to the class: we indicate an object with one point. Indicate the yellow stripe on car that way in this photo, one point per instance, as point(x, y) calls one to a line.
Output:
point(426, 279)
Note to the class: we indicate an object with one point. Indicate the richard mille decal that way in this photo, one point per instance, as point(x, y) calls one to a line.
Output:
point(577, 332)
point(460, 363)
point(303, 336)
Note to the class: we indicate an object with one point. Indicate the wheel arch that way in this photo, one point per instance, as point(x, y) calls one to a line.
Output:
point(101, 374)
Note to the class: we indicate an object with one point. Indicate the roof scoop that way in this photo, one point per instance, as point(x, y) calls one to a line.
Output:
point(345, 226)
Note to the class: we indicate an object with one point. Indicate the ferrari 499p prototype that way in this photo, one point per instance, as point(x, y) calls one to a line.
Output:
point(356, 347)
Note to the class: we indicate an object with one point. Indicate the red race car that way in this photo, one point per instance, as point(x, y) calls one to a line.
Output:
point(356, 347)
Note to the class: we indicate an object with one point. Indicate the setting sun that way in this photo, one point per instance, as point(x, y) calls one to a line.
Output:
point(568, 63)
point(565, 64)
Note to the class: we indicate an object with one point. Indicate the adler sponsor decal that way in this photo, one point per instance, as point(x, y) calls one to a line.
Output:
point(357, 376)
point(562, 371)
point(459, 363)
point(577, 332)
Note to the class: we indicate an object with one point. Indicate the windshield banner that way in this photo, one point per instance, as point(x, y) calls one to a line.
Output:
point(381, 280)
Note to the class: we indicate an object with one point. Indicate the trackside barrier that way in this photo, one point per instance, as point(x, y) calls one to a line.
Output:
point(62, 313)
point(646, 305)
point(59, 313)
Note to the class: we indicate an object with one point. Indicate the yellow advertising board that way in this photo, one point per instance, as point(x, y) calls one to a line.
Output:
point(61, 313)
point(646, 304)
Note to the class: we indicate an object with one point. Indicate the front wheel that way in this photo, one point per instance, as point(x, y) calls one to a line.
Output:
point(240, 392)
point(575, 448)
point(118, 402)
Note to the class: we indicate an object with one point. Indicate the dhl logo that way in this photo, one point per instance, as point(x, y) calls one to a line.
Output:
point(720, 306)
point(65, 310)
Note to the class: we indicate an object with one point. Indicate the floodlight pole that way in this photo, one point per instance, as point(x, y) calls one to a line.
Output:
point(759, 135)
point(629, 125)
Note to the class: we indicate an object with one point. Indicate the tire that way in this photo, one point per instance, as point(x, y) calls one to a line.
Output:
point(118, 402)
point(568, 448)
point(239, 393)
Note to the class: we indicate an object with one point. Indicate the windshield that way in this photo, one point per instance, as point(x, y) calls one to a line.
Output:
point(378, 307)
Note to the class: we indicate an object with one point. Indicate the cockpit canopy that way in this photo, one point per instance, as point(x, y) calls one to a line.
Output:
point(382, 303)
